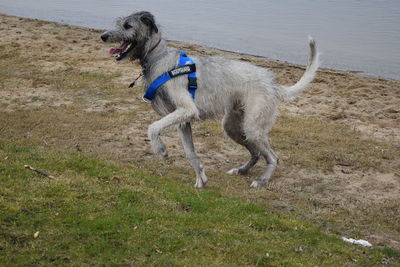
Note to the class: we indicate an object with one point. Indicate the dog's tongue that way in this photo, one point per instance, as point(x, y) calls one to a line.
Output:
point(118, 50)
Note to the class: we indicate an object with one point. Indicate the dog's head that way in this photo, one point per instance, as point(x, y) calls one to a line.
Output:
point(135, 33)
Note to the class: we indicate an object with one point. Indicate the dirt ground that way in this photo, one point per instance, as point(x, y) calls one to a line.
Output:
point(41, 101)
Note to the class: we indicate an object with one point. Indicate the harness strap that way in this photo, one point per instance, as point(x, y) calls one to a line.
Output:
point(192, 86)
point(185, 66)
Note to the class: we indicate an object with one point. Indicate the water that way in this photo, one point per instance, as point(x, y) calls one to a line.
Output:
point(361, 35)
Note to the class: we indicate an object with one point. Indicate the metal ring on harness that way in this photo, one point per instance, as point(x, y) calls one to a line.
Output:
point(148, 101)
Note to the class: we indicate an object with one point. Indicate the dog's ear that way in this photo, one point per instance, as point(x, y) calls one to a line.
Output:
point(148, 19)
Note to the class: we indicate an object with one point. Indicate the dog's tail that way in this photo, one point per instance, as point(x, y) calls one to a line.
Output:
point(290, 92)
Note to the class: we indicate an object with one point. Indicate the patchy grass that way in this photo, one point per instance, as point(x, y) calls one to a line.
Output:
point(86, 217)
point(16, 68)
point(313, 143)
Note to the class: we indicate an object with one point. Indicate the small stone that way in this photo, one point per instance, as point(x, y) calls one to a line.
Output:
point(385, 261)
point(299, 249)
point(36, 235)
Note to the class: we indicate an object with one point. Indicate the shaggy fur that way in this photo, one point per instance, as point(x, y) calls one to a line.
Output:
point(243, 95)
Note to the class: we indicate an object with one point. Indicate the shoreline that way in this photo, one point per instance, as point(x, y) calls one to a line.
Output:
point(301, 66)
point(223, 50)
point(291, 64)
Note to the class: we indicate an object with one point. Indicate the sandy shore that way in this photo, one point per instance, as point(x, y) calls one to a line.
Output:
point(41, 54)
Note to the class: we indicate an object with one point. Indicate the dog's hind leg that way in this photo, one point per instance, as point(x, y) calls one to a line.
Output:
point(232, 124)
point(257, 122)
point(255, 155)
point(185, 131)
point(272, 162)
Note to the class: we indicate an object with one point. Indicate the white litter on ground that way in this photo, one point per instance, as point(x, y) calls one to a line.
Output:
point(361, 242)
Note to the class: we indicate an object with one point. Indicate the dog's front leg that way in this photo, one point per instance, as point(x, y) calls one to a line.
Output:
point(180, 115)
point(185, 131)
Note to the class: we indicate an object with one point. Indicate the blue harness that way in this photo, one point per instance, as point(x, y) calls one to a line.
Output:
point(186, 66)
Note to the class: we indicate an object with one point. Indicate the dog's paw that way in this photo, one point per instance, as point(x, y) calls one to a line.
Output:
point(233, 171)
point(199, 184)
point(257, 184)
point(201, 180)
point(203, 176)
point(163, 154)
point(160, 149)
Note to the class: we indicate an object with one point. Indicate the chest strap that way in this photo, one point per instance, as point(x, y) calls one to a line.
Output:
point(185, 66)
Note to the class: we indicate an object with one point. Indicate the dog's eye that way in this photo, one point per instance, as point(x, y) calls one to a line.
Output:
point(127, 26)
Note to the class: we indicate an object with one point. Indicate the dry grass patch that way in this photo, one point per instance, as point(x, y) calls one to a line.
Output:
point(312, 143)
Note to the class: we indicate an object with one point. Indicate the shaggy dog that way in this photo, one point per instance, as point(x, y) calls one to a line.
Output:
point(243, 95)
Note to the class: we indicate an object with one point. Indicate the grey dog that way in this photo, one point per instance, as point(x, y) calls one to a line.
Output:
point(244, 95)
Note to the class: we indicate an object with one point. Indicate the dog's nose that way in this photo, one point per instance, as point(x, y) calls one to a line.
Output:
point(104, 37)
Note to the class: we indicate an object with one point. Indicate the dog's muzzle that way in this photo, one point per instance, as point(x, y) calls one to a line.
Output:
point(123, 50)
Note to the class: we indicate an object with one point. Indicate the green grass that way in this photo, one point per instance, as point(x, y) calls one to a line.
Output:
point(85, 217)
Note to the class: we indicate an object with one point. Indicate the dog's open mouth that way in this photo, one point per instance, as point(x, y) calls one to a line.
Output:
point(123, 50)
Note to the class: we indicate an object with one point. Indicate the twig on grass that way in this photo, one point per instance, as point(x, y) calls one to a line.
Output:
point(39, 171)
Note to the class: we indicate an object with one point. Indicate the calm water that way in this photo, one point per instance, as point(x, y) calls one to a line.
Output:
point(352, 34)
